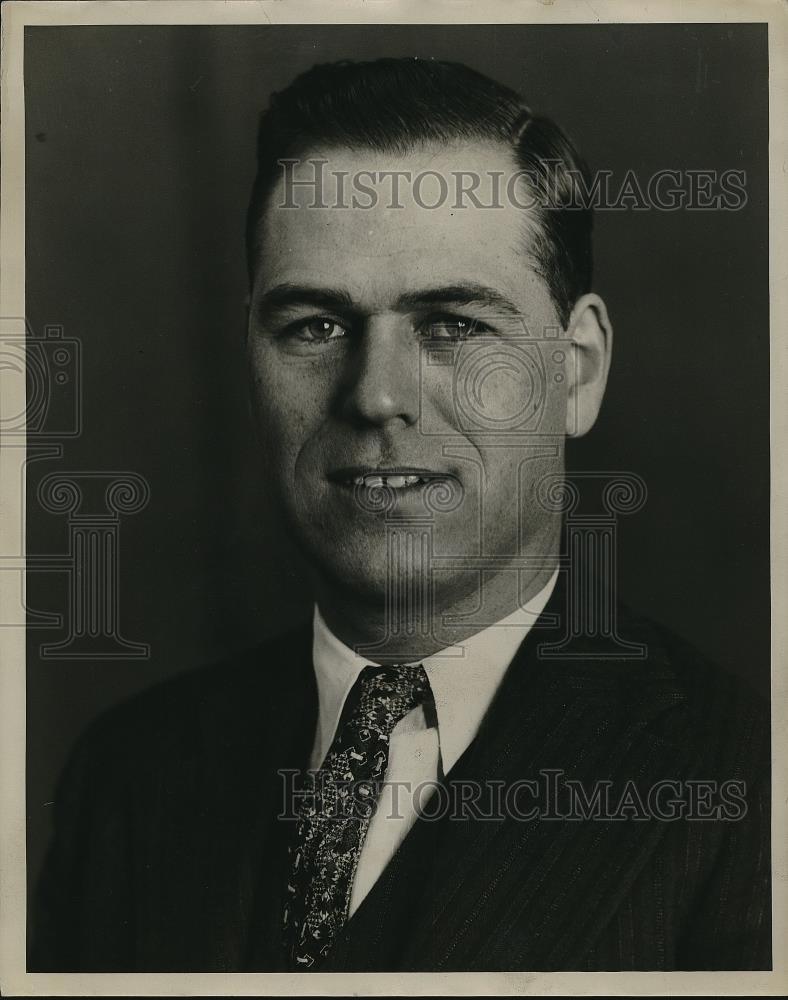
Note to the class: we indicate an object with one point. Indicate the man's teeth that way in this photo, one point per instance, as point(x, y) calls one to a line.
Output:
point(395, 482)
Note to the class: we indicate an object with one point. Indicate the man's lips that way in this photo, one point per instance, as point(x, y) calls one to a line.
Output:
point(393, 477)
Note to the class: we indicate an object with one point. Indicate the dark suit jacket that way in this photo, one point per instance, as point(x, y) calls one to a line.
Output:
point(168, 856)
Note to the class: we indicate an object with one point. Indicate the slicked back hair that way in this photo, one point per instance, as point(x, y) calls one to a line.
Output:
point(394, 105)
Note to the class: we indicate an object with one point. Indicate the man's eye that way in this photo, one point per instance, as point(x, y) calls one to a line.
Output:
point(452, 327)
point(320, 330)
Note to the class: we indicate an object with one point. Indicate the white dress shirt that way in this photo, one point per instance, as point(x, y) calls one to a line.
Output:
point(463, 679)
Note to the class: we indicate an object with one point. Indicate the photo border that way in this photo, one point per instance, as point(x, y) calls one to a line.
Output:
point(14, 979)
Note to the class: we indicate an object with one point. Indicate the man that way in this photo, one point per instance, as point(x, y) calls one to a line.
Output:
point(441, 772)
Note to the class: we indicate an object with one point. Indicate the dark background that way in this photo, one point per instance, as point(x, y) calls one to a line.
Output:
point(140, 156)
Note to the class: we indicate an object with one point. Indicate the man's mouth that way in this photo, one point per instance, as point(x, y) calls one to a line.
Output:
point(395, 479)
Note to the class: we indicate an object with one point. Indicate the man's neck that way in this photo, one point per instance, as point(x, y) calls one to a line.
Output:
point(428, 627)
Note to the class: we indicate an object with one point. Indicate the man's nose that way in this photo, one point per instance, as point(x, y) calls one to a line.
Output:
point(383, 377)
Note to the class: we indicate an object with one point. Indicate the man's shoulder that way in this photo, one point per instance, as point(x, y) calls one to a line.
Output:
point(727, 718)
point(651, 681)
point(699, 677)
point(205, 708)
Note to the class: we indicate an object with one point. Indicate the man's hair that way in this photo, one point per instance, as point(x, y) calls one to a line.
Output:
point(395, 105)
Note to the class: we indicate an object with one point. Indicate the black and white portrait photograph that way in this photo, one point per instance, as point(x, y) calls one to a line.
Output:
point(393, 546)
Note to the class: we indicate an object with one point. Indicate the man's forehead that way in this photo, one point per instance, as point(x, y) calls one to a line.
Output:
point(401, 169)
point(363, 216)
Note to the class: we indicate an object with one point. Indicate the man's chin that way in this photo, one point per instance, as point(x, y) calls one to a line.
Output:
point(365, 571)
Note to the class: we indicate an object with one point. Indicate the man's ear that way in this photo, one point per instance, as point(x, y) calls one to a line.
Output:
point(591, 336)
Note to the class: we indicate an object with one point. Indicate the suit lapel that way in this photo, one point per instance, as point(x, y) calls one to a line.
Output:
point(516, 893)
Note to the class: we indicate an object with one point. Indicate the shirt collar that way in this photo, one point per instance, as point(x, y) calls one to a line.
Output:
point(463, 678)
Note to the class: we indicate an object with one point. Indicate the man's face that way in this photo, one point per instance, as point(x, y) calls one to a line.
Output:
point(411, 346)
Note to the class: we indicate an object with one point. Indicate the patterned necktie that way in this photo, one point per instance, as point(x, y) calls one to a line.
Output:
point(336, 805)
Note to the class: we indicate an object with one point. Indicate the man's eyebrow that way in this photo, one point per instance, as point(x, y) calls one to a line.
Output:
point(284, 295)
point(338, 299)
point(463, 294)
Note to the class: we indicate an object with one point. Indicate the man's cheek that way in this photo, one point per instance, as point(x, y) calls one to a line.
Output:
point(438, 415)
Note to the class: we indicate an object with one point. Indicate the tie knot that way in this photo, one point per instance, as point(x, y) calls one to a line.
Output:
point(382, 695)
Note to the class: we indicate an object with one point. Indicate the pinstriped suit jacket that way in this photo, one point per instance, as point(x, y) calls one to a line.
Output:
point(168, 855)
